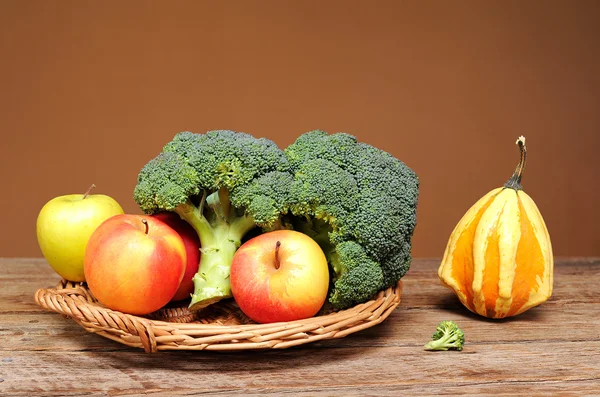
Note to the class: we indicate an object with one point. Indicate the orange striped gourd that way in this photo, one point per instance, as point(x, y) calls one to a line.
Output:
point(499, 257)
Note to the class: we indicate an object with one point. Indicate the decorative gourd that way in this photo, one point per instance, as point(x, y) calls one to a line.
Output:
point(499, 257)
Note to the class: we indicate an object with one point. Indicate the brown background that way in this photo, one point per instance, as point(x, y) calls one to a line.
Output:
point(91, 90)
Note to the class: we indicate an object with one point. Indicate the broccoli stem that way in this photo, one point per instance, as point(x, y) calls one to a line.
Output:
point(316, 229)
point(211, 283)
point(192, 215)
point(335, 263)
point(319, 230)
point(447, 341)
point(219, 238)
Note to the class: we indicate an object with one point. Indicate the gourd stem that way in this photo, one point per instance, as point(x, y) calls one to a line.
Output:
point(515, 180)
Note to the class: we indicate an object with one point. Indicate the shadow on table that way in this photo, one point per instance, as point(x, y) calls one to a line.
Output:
point(450, 303)
point(308, 356)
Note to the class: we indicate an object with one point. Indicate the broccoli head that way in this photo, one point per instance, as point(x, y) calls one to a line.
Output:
point(359, 194)
point(356, 201)
point(224, 184)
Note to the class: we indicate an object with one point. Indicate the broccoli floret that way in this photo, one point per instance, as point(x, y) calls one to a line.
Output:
point(357, 275)
point(323, 190)
point(446, 337)
point(266, 197)
point(165, 182)
point(361, 194)
point(397, 263)
point(224, 184)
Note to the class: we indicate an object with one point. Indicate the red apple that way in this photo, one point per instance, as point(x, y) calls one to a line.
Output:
point(192, 250)
point(134, 263)
point(279, 276)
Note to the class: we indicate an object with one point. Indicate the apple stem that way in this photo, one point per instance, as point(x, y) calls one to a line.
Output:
point(277, 245)
point(145, 222)
point(88, 191)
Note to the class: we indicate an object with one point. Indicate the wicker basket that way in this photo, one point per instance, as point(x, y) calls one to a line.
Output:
point(222, 326)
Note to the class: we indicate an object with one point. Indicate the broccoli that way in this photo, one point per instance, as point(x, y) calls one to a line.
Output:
point(357, 275)
point(359, 203)
point(446, 337)
point(356, 201)
point(224, 184)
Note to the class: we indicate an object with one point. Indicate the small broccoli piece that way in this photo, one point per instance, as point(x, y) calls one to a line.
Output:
point(446, 337)
point(224, 184)
point(359, 194)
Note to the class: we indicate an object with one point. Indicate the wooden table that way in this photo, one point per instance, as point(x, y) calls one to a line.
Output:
point(550, 350)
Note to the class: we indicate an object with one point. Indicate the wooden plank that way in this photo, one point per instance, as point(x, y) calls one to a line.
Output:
point(585, 388)
point(20, 279)
point(424, 304)
point(508, 389)
point(406, 326)
point(48, 331)
point(572, 283)
point(551, 350)
point(306, 369)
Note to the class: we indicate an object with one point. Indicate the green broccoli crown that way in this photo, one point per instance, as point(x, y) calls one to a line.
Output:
point(447, 336)
point(266, 197)
point(388, 202)
point(356, 276)
point(219, 159)
point(365, 194)
point(325, 191)
point(226, 158)
point(338, 148)
point(164, 183)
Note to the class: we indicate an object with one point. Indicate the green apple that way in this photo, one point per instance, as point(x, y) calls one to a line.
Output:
point(64, 226)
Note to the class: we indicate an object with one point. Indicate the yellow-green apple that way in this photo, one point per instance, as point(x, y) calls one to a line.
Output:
point(64, 226)
point(279, 276)
point(134, 263)
point(192, 250)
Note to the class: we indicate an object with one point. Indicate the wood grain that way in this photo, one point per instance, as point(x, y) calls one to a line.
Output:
point(550, 350)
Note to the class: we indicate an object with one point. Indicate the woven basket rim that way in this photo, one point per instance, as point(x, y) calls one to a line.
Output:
point(153, 333)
